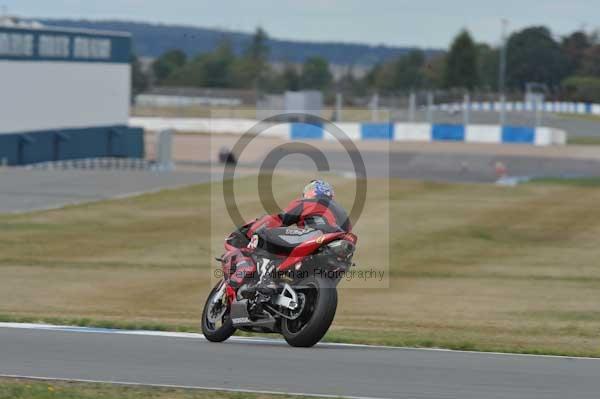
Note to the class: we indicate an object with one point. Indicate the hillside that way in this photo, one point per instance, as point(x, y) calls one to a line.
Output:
point(151, 40)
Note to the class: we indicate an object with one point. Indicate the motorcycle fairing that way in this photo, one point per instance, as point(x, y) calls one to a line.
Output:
point(306, 248)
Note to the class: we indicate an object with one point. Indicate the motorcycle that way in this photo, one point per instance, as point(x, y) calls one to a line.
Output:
point(282, 280)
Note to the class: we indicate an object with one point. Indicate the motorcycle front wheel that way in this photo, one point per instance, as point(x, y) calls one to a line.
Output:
point(316, 315)
point(216, 323)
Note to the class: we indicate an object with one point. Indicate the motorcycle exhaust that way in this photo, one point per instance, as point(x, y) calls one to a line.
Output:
point(241, 318)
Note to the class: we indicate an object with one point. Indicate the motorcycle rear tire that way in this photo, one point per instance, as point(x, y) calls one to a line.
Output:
point(323, 312)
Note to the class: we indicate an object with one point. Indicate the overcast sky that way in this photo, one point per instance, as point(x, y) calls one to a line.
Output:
point(425, 23)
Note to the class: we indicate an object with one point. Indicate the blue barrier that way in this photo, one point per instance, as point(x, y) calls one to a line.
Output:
point(447, 132)
point(439, 132)
point(377, 131)
point(127, 142)
point(56, 145)
point(9, 149)
point(36, 147)
point(305, 131)
point(93, 143)
point(518, 134)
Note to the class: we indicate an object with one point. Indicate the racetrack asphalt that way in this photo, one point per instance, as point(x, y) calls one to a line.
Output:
point(24, 190)
point(270, 365)
point(451, 167)
point(27, 190)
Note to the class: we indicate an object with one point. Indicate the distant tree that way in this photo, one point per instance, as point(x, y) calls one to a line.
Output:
point(384, 78)
point(258, 48)
point(192, 74)
point(168, 63)
point(434, 71)
point(408, 71)
point(281, 81)
point(590, 63)
point(316, 74)
point(400, 74)
point(461, 63)
point(252, 69)
point(534, 56)
point(243, 74)
point(371, 76)
point(291, 78)
point(488, 60)
point(574, 47)
point(217, 66)
point(214, 69)
point(139, 80)
point(350, 86)
point(221, 67)
point(582, 88)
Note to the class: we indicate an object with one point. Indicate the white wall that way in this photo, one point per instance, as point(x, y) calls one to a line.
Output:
point(483, 134)
point(39, 95)
point(352, 130)
point(412, 132)
point(549, 136)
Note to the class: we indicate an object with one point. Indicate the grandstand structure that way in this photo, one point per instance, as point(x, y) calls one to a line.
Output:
point(65, 94)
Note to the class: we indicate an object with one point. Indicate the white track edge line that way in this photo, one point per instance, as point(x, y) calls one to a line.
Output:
point(199, 388)
point(102, 330)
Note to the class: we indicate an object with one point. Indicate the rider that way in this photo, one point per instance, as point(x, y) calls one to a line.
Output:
point(316, 209)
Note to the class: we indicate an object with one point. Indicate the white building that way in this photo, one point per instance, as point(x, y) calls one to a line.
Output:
point(62, 78)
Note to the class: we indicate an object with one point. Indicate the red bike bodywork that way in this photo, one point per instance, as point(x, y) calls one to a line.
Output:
point(288, 261)
point(307, 248)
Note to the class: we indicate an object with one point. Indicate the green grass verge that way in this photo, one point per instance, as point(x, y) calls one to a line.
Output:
point(583, 140)
point(592, 182)
point(88, 322)
point(585, 117)
point(12, 388)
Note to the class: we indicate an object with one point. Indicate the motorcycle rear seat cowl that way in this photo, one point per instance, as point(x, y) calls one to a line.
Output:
point(285, 239)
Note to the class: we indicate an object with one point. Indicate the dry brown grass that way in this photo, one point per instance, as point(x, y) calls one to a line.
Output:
point(471, 266)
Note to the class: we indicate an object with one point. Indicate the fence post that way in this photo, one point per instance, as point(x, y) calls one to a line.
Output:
point(338, 107)
point(374, 105)
point(430, 107)
point(412, 105)
point(466, 109)
point(502, 109)
point(164, 143)
point(538, 112)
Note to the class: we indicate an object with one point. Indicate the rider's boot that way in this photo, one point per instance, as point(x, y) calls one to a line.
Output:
point(268, 287)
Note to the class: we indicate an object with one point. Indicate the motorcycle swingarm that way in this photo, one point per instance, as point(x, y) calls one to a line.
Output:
point(287, 298)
